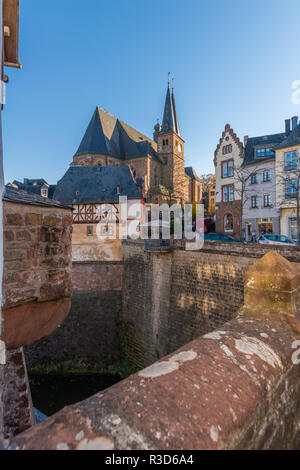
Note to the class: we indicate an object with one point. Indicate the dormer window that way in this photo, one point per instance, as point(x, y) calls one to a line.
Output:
point(44, 192)
point(118, 189)
point(264, 152)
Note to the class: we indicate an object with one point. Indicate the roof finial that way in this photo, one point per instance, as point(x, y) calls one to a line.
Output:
point(173, 85)
point(169, 79)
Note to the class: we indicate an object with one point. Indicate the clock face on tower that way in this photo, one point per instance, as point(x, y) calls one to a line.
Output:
point(179, 148)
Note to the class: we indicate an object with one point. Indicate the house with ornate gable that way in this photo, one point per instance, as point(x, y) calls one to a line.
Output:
point(228, 159)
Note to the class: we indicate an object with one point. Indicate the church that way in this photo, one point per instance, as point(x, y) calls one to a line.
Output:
point(157, 165)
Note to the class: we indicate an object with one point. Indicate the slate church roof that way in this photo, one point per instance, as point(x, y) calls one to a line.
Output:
point(108, 135)
point(170, 119)
point(189, 170)
point(96, 184)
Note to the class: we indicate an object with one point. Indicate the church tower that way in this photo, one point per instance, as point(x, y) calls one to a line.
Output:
point(170, 146)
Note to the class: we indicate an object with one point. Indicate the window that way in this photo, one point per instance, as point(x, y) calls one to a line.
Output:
point(290, 161)
point(267, 200)
point(254, 202)
point(265, 152)
point(231, 193)
point(266, 176)
point(291, 189)
point(165, 141)
point(227, 169)
point(44, 192)
point(225, 194)
point(228, 223)
point(254, 179)
point(89, 231)
point(227, 149)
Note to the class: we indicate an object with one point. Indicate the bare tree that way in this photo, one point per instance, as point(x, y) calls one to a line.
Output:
point(207, 182)
point(166, 190)
point(289, 179)
point(242, 176)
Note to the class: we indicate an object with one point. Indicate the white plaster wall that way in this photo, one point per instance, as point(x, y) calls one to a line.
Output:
point(235, 155)
point(259, 190)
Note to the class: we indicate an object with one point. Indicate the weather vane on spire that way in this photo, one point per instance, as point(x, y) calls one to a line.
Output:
point(172, 84)
point(169, 78)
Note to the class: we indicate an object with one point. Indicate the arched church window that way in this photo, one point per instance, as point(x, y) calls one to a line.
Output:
point(228, 223)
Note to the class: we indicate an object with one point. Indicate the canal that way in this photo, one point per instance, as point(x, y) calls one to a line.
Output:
point(52, 392)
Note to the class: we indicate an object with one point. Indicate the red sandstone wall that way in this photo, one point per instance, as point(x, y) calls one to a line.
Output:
point(37, 249)
point(100, 276)
point(37, 271)
point(18, 410)
point(172, 298)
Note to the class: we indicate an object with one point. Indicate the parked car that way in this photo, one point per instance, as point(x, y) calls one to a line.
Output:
point(275, 240)
point(219, 237)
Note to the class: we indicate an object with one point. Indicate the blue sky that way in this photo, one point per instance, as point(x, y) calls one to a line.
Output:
point(233, 61)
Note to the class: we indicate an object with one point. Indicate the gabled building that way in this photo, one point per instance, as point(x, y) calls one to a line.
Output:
point(228, 159)
point(108, 141)
point(36, 186)
point(94, 192)
point(193, 185)
point(260, 213)
point(287, 178)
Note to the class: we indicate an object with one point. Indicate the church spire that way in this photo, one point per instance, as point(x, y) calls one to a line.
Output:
point(170, 121)
point(174, 110)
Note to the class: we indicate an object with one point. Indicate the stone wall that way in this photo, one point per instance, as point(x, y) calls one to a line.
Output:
point(89, 337)
point(17, 404)
point(2, 367)
point(37, 271)
point(171, 298)
point(237, 387)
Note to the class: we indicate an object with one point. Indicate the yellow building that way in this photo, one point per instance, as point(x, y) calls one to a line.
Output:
point(287, 176)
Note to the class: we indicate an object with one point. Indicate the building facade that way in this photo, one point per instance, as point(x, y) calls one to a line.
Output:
point(228, 159)
point(260, 212)
point(94, 194)
point(287, 178)
point(157, 165)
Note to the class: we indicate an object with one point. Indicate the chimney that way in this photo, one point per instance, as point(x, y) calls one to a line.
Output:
point(287, 126)
point(294, 122)
point(246, 140)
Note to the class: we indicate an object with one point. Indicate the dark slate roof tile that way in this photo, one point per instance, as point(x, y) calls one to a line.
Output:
point(107, 135)
point(292, 139)
point(189, 170)
point(25, 197)
point(96, 184)
point(267, 141)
